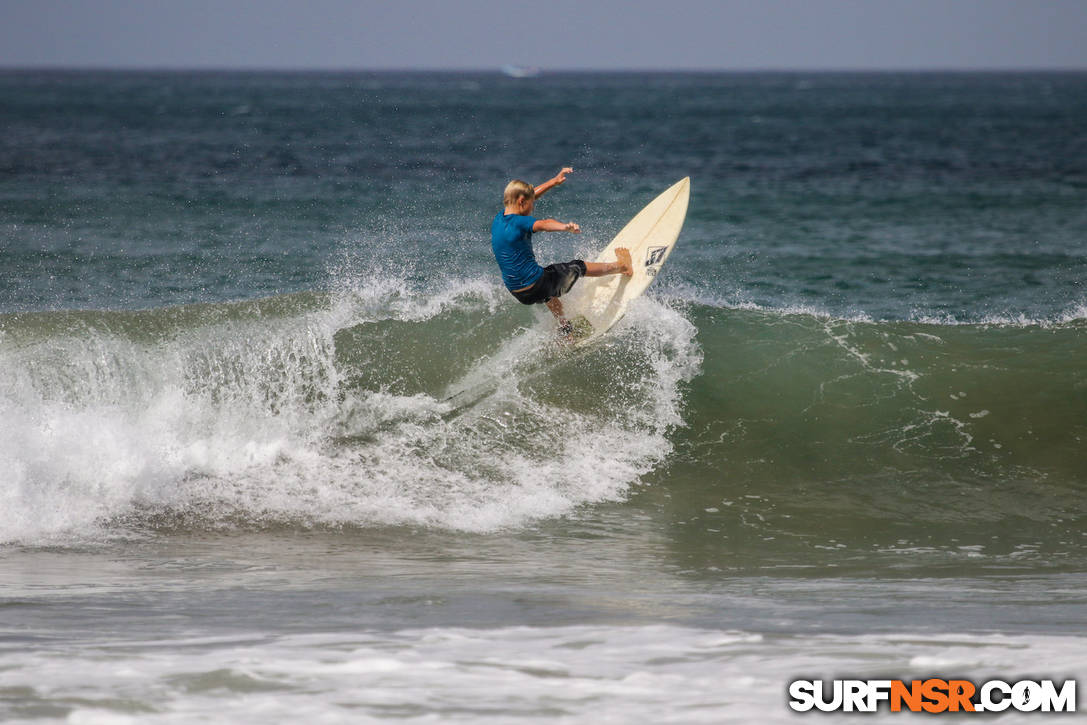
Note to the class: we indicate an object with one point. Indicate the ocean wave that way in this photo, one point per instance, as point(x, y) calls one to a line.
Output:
point(686, 293)
point(379, 404)
point(328, 410)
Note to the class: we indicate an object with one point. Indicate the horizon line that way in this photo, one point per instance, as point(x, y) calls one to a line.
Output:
point(497, 70)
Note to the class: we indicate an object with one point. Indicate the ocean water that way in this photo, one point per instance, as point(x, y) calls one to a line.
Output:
point(276, 444)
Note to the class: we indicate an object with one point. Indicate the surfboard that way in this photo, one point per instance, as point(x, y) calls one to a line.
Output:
point(595, 304)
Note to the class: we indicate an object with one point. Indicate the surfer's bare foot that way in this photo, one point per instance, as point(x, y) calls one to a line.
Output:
point(622, 256)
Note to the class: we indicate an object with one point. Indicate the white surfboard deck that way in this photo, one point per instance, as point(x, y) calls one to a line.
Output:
point(595, 304)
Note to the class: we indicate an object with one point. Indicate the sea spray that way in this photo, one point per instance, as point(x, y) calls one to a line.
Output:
point(296, 412)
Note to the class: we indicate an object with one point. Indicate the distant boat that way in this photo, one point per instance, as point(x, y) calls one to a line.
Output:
point(521, 71)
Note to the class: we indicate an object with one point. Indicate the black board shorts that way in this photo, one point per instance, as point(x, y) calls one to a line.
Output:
point(556, 280)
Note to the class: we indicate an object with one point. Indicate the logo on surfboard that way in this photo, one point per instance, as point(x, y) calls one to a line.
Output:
point(655, 255)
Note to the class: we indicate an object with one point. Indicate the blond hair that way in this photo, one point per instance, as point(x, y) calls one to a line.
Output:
point(515, 190)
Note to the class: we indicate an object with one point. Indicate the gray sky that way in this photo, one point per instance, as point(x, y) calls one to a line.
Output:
point(551, 34)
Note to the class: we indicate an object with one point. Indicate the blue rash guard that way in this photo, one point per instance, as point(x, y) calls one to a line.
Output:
point(511, 241)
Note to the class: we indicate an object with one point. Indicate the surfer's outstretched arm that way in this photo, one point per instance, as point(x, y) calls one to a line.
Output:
point(554, 225)
point(553, 182)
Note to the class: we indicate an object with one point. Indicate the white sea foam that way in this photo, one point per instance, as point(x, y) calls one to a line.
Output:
point(1074, 312)
point(250, 421)
point(571, 674)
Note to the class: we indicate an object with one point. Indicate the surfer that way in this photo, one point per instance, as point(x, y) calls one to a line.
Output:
point(511, 241)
